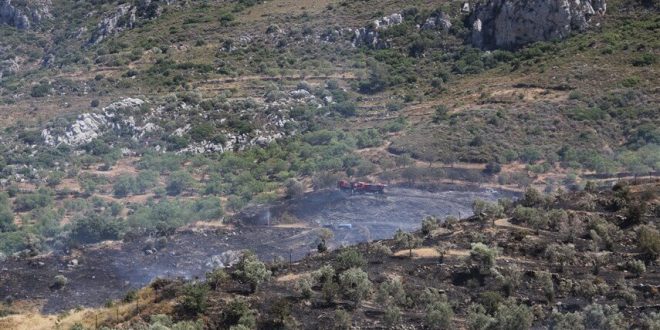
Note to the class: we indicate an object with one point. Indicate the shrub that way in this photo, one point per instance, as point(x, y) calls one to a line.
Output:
point(604, 317)
point(483, 257)
point(216, 278)
point(429, 224)
point(355, 284)
point(304, 287)
point(252, 271)
point(194, 299)
point(439, 315)
point(94, 227)
point(511, 316)
point(636, 267)
point(294, 188)
point(477, 319)
point(60, 281)
point(407, 240)
point(560, 253)
point(392, 291)
point(349, 258)
point(648, 242)
point(392, 316)
point(567, 321)
point(532, 198)
point(239, 313)
point(179, 182)
point(342, 320)
point(487, 211)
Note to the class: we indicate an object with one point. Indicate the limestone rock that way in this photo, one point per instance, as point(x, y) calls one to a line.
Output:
point(24, 14)
point(437, 21)
point(369, 36)
point(509, 24)
point(125, 16)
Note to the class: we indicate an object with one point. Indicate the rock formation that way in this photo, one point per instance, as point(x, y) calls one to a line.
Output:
point(369, 36)
point(24, 15)
point(508, 24)
point(125, 16)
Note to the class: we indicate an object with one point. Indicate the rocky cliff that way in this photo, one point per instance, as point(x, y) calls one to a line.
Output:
point(24, 14)
point(509, 24)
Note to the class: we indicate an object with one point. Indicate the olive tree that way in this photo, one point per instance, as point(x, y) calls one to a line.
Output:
point(355, 285)
point(252, 271)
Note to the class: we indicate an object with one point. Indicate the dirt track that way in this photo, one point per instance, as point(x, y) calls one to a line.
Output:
point(109, 271)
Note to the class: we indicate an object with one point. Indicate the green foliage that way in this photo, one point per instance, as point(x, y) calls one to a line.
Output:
point(429, 224)
point(26, 202)
point(349, 258)
point(355, 285)
point(407, 240)
point(483, 257)
point(194, 298)
point(94, 227)
point(252, 271)
point(511, 316)
point(179, 182)
point(648, 242)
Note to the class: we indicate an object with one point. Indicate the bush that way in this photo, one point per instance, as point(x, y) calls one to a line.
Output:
point(60, 281)
point(477, 319)
point(568, 321)
point(429, 224)
point(392, 316)
point(355, 284)
point(179, 182)
point(407, 241)
point(636, 267)
point(252, 271)
point(216, 278)
point(194, 299)
point(294, 188)
point(604, 317)
point(511, 316)
point(349, 258)
point(648, 242)
point(487, 211)
point(483, 257)
point(94, 227)
point(560, 253)
point(343, 320)
point(439, 315)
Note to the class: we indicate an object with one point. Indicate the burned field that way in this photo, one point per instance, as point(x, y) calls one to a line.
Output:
point(287, 231)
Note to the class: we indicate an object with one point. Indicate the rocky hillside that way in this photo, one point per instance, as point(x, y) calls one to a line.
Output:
point(126, 119)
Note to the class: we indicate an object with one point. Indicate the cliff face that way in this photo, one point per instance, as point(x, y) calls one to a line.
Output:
point(25, 15)
point(509, 24)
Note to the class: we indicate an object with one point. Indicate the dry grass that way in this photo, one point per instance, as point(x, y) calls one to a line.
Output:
point(90, 318)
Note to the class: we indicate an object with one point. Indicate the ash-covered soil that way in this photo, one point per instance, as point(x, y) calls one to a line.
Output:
point(107, 271)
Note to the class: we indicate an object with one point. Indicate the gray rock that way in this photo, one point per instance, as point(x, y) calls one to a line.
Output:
point(437, 21)
point(369, 36)
point(508, 24)
point(24, 14)
point(125, 16)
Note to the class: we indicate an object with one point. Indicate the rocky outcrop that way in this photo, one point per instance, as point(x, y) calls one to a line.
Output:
point(125, 16)
point(25, 14)
point(369, 35)
point(437, 21)
point(509, 24)
point(89, 126)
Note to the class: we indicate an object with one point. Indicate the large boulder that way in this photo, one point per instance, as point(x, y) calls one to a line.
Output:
point(509, 24)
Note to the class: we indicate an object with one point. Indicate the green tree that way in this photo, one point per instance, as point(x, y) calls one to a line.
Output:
point(194, 298)
point(407, 240)
point(355, 285)
point(252, 271)
point(178, 182)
